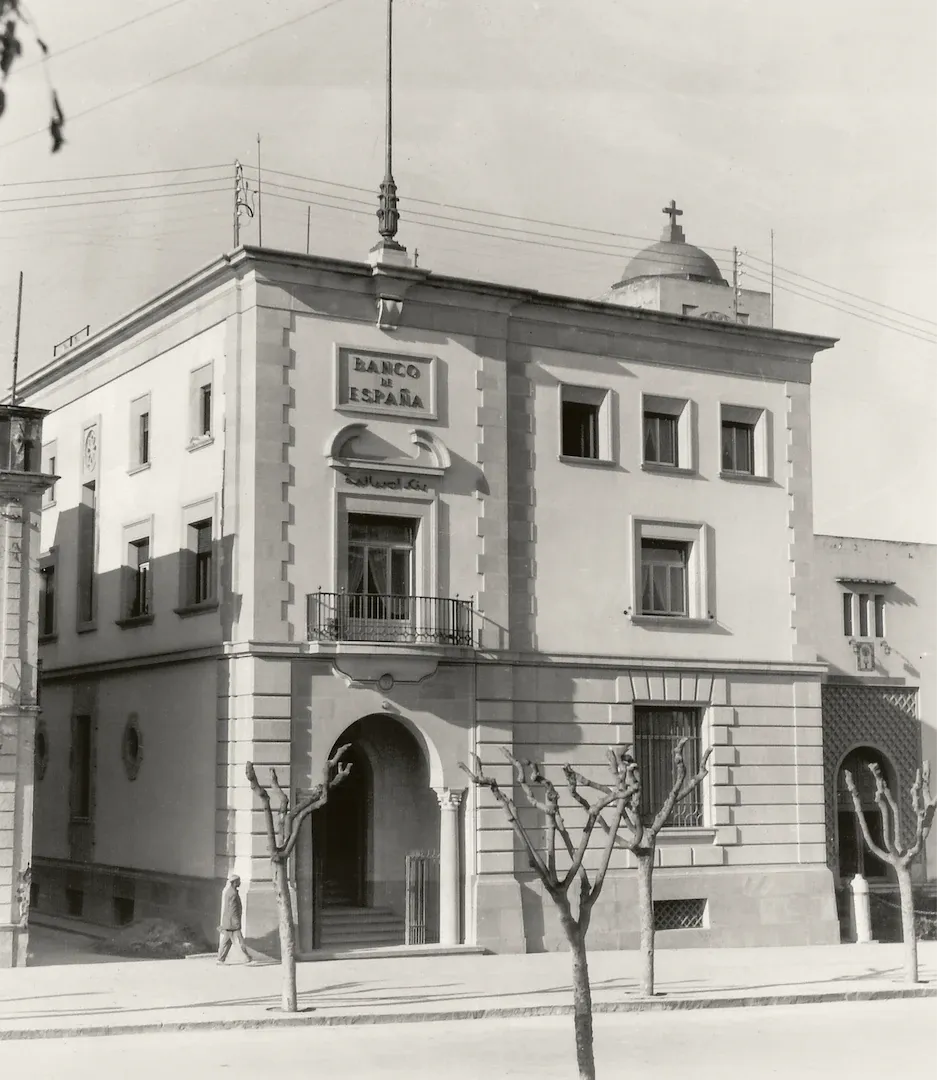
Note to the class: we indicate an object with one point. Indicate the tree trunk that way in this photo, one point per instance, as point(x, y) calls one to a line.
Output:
point(907, 924)
point(582, 1000)
point(287, 930)
point(646, 914)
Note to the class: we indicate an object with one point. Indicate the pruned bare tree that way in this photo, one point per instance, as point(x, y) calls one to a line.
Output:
point(641, 841)
point(614, 797)
point(13, 18)
point(892, 851)
point(282, 834)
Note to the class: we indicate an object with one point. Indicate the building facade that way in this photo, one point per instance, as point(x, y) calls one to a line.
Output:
point(877, 632)
point(306, 503)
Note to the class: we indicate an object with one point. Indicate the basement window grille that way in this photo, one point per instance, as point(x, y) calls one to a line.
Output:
point(679, 914)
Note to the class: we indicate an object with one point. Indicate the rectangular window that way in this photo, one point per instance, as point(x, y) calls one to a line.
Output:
point(81, 768)
point(847, 614)
point(140, 582)
point(204, 579)
point(585, 423)
point(87, 542)
point(738, 447)
point(380, 566)
point(47, 601)
point(660, 439)
point(657, 732)
point(664, 577)
point(879, 615)
point(580, 430)
point(204, 409)
point(49, 456)
point(143, 438)
point(863, 614)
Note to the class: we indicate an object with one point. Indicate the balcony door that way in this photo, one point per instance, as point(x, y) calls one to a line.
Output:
point(380, 576)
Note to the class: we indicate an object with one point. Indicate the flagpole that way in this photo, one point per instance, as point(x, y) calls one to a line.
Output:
point(308, 209)
point(16, 338)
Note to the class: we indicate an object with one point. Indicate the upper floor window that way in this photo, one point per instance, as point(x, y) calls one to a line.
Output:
point(49, 460)
point(140, 586)
point(140, 432)
point(201, 405)
point(667, 441)
point(664, 577)
point(204, 581)
point(745, 443)
point(47, 600)
point(863, 614)
point(204, 409)
point(585, 425)
point(738, 447)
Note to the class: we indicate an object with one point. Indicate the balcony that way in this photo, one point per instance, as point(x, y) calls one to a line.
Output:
point(388, 619)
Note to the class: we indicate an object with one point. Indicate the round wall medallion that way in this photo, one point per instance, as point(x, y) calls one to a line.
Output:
point(132, 747)
point(41, 750)
point(386, 682)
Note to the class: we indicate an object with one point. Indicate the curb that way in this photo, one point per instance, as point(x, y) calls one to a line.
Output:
point(661, 1004)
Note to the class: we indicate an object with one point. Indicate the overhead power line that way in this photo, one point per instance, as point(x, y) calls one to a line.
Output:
point(103, 202)
point(182, 70)
point(107, 191)
point(97, 37)
point(116, 176)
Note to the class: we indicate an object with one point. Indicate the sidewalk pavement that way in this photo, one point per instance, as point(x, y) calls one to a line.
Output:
point(66, 997)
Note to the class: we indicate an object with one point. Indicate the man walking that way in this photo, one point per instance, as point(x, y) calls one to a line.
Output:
point(230, 926)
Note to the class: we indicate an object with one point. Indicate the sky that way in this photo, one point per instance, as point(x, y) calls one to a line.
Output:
point(535, 143)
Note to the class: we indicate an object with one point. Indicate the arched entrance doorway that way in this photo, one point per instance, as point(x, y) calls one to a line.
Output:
point(384, 811)
point(853, 857)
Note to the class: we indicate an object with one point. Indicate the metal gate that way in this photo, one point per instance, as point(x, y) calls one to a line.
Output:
point(422, 899)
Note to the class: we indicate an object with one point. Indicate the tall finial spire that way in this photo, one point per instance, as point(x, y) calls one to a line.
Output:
point(387, 215)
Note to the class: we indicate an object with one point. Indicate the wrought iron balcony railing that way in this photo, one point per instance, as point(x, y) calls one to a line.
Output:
point(438, 620)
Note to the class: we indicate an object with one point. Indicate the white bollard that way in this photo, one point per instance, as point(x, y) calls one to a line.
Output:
point(860, 915)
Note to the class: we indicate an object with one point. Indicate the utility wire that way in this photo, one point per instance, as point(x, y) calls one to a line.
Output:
point(108, 191)
point(181, 71)
point(835, 288)
point(815, 297)
point(102, 202)
point(116, 176)
point(96, 37)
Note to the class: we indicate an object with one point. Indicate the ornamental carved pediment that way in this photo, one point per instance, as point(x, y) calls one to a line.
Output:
point(357, 446)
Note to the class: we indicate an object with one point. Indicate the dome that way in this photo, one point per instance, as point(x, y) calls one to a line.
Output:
point(673, 257)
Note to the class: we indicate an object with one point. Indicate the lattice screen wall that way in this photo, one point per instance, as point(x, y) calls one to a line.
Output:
point(884, 718)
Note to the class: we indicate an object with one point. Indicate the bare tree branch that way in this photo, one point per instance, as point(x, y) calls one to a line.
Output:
point(258, 789)
point(479, 777)
point(283, 809)
point(885, 856)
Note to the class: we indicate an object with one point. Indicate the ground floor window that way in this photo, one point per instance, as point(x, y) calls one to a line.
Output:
point(658, 730)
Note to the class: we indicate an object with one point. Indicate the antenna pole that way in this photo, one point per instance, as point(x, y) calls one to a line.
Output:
point(772, 277)
point(16, 339)
point(389, 119)
point(237, 199)
point(260, 212)
point(308, 209)
point(735, 284)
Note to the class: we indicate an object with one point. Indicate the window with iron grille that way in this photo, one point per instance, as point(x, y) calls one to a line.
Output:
point(679, 914)
point(657, 731)
point(664, 577)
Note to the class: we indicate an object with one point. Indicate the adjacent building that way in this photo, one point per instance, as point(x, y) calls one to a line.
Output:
point(874, 607)
point(306, 502)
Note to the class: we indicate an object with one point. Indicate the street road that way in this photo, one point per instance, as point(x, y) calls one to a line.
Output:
point(800, 1042)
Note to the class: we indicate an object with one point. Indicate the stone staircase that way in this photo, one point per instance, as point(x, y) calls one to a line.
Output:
point(344, 927)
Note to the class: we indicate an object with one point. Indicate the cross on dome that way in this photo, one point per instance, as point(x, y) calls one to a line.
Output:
point(672, 234)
